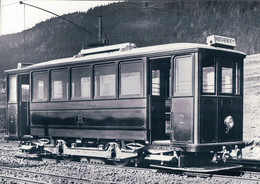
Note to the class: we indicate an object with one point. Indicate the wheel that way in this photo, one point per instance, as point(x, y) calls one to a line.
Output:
point(239, 154)
point(121, 163)
point(44, 141)
point(67, 158)
point(84, 160)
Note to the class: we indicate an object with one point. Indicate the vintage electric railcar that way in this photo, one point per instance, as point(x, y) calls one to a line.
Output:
point(160, 103)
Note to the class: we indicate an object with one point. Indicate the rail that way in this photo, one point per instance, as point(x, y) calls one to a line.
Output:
point(27, 176)
point(254, 163)
point(38, 177)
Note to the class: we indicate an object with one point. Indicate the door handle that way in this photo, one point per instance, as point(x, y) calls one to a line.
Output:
point(171, 120)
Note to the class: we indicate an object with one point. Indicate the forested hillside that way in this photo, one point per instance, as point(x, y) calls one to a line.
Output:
point(143, 23)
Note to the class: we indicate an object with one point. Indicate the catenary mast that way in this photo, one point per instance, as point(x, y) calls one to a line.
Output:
point(0, 17)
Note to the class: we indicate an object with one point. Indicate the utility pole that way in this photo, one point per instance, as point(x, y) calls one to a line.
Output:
point(1, 18)
point(101, 41)
point(100, 28)
point(24, 33)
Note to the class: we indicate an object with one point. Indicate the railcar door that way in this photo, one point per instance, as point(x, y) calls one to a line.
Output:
point(12, 128)
point(183, 99)
point(23, 104)
point(158, 96)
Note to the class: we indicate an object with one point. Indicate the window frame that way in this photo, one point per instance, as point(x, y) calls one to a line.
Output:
point(174, 93)
point(115, 65)
point(227, 63)
point(215, 78)
point(50, 84)
point(141, 94)
point(8, 91)
point(47, 86)
point(91, 82)
point(156, 91)
point(239, 66)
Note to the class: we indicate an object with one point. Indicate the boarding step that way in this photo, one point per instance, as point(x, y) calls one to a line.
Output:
point(213, 168)
point(163, 158)
point(162, 142)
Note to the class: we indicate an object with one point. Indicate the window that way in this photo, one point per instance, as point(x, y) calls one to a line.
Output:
point(238, 79)
point(130, 78)
point(208, 80)
point(12, 88)
point(105, 80)
point(208, 77)
point(226, 79)
point(80, 83)
point(25, 92)
point(59, 84)
point(156, 85)
point(183, 76)
point(40, 86)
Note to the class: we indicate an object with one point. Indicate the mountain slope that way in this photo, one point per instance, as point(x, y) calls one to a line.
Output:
point(151, 23)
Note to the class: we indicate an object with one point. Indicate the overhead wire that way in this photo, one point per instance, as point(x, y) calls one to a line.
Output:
point(152, 7)
point(147, 5)
point(71, 22)
point(10, 4)
point(5, 5)
point(162, 10)
point(62, 17)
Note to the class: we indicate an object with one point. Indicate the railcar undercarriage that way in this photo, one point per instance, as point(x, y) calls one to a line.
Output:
point(121, 153)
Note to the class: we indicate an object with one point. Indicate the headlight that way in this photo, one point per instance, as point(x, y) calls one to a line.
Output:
point(229, 122)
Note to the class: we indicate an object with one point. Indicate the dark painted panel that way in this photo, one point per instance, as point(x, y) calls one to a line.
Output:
point(40, 118)
point(239, 119)
point(226, 108)
point(91, 104)
point(94, 134)
point(39, 106)
point(208, 120)
point(115, 117)
point(23, 118)
point(12, 127)
point(157, 118)
point(182, 119)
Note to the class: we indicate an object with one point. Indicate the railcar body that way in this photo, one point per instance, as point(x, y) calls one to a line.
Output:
point(182, 98)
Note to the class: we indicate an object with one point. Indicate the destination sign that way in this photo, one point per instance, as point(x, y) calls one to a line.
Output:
point(215, 40)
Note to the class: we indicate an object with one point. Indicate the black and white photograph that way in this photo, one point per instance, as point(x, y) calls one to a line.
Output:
point(129, 91)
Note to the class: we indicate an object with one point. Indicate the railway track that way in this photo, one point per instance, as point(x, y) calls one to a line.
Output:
point(245, 161)
point(250, 174)
point(25, 176)
point(248, 164)
point(239, 176)
point(235, 179)
point(9, 179)
point(29, 176)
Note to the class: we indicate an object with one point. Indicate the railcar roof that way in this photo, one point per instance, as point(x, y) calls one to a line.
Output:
point(173, 47)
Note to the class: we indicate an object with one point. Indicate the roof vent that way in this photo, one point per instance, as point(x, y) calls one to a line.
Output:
point(106, 49)
point(22, 65)
point(221, 41)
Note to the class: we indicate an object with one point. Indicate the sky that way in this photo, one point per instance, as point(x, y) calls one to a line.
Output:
point(17, 17)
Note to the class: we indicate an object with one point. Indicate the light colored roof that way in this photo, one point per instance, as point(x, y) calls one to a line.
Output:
point(173, 47)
